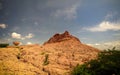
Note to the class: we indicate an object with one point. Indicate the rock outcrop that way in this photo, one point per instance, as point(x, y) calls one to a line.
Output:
point(16, 43)
point(61, 37)
point(66, 51)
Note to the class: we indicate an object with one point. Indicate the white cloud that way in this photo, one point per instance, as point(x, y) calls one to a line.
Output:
point(16, 35)
point(67, 12)
point(97, 44)
point(3, 26)
point(89, 44)
point(104, 26)
point(29, 43)
point(30, 35)
point(107, 45)
point(19, 36)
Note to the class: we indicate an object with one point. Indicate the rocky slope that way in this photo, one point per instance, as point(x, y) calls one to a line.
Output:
point(57, 56)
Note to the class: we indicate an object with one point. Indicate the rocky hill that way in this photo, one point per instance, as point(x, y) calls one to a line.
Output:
point(61, 38)
point(57, 56)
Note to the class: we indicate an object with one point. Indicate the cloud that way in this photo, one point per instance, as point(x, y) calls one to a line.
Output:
point(111, 15)
point(30, 35)
point(19, 36)
point(3, 26)
point(106, 45)
point(97, 44)
point(16, 35)
point(63, 9)
point(67, 12)
point(104, 26)
point(29, 43)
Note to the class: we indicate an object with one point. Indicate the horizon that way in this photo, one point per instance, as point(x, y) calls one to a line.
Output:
point(95, 23)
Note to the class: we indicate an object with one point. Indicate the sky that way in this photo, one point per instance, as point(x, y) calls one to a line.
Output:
point(94, 22)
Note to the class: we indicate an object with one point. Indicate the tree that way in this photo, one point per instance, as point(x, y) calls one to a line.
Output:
point(3, 45)
point(107, 63)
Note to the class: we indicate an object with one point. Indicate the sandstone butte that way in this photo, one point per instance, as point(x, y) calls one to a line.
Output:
point(57, 56)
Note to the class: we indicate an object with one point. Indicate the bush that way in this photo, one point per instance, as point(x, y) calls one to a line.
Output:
point(18, 56)
point(46, 62)
point(3, 45)
point(107, 63)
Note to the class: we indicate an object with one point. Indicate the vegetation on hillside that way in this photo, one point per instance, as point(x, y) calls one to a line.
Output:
point(3, 45)
point(107, 63)
point(46, 62)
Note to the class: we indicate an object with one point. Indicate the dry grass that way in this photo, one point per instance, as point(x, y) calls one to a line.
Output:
point(63, 56)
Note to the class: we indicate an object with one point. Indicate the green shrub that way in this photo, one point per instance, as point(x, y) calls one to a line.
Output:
point(42, 53)
point(46, 62)
point(80, 70)
point(18, 56)
point(3, 45)
point(107, 63)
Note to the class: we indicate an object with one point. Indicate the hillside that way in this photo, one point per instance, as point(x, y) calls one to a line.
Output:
point(57, 56)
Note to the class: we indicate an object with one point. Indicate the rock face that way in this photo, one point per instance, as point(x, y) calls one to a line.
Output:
point(61, 37)
point(16, 43)
point(58, 56)
point(66, 51)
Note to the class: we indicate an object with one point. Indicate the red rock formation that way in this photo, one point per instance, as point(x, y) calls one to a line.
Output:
point(61, 37)
point(16, 43)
